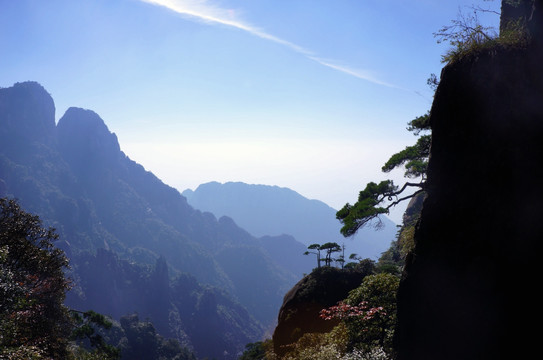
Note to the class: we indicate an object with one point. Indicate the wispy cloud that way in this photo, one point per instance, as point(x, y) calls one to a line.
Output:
point(361, 74)
point(206, 11)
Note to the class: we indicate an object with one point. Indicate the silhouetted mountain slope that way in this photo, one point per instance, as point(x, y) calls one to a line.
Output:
point(271, 210)
point(115, 219)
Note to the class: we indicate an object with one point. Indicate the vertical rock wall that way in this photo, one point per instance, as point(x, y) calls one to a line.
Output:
point(469, 289)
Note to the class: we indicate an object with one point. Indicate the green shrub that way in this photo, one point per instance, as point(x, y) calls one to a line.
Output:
point(469, 38)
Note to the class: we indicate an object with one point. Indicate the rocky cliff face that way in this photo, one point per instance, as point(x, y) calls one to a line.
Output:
point(475, 261)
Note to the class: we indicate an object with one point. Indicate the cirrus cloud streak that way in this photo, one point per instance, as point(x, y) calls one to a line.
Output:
point(204, 10)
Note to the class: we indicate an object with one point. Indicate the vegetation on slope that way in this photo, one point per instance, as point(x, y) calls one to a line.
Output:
point(468, 37)
point(35, 323)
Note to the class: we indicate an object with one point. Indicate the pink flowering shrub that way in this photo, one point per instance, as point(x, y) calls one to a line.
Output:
point(343, 311)
point(369, 313)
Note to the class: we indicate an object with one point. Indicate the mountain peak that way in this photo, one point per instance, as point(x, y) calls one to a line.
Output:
point(83, 136)
point(83, 120)
point(28, 114)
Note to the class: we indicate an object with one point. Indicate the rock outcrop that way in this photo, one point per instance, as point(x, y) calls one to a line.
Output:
point(470, 282)
point(299, 314)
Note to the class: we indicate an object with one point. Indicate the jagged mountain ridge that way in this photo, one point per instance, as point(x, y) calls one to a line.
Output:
point(109, 211)
point(272, 210)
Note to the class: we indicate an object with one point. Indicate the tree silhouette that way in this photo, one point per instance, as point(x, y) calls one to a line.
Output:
point(330, 248)
point(317, 251)
point(377, 199)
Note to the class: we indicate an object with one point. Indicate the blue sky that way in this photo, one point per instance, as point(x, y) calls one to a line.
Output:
point(313, 95)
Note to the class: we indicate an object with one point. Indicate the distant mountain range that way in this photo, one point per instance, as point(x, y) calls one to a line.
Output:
point(134, 243)
point(271, 210)
point(212, 278)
